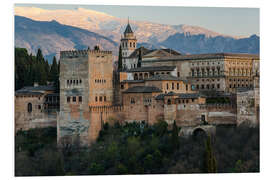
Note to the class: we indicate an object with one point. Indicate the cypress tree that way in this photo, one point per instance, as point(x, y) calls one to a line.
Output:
point(120, 64)
point(175, 140)
point(140, 58)
point(54, 73)
point(210, 160)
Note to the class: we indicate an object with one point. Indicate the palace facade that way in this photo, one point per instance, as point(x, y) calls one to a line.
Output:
point(152, 85)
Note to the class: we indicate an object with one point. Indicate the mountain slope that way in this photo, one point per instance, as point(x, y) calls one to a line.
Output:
point(196, 44)
point(52, 37)
point(111, 26)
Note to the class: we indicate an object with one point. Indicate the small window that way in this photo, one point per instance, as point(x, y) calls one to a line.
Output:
point(29, 107)
point(68, 99)
point(39, 106)
point(167, 86)
point(80, 81)
point(67, 81)
point(77, 82)
point(74, 99)
point(169, 102)
point(96, 98)
point(100, 98)
point(122, 86)
point(104, 98)
point(132, 101)
point(80, 98)
point(172, 86)
point(177, 86)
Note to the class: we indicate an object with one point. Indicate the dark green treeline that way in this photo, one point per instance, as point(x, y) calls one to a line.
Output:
point(34, 68)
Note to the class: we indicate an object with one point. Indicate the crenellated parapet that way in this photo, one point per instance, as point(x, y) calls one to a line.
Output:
point(81, 53)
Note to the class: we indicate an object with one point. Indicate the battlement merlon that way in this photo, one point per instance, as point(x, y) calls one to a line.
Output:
point(81, 53)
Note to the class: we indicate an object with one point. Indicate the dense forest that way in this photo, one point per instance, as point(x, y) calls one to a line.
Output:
point(137, 148)
point(30, 69)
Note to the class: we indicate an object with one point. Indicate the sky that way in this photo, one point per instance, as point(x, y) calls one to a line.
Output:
point(229, 21)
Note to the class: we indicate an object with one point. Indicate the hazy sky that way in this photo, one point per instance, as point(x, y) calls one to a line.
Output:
point(230, 21)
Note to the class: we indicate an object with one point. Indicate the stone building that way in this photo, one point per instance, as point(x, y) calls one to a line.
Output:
point(189, 89)
point(219, 71)
point(86, 80)
point(36, 107)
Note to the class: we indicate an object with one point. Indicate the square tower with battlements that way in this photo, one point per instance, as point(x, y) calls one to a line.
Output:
point(86, 80)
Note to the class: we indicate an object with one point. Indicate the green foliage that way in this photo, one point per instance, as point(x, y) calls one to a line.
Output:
point(175, 139)
point(120, 63)
point(219, 100)
point(137, 148)
point(210, 158)
point(30, 69)
point(140, 58)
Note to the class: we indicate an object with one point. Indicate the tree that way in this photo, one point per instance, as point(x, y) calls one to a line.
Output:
point(175, 140)
point(54, 73)
point(140, 58)
point(120, 64)
point(210, 159)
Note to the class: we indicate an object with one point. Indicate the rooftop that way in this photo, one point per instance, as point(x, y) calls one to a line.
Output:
point(164, 77)
point(152, 68)
point(205, 56)
point(142, 89)
point(34, 90)
point(180, 95)
point(128, 29)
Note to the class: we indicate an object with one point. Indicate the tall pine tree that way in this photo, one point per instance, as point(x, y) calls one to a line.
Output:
point(120, 63)
point(210, 159)
point(140, 58)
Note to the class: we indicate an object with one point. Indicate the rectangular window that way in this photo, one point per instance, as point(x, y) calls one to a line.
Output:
point(104, 98)
point(172, 85)
point(177, 86)
point(186, 87)
point(167, 86)
point(68, 99)
point(74, 99)
point(80, 98)
point(100, 98)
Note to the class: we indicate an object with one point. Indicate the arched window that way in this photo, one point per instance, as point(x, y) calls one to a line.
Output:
point(130, 44)
point(134, 44)
point(29, 107)
point(169, 102)
point(136, 76)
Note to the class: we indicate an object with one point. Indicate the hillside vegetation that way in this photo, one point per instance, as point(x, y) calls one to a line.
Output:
point(138, 149)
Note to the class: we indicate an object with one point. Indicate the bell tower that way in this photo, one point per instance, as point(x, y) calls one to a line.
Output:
point(128, 42)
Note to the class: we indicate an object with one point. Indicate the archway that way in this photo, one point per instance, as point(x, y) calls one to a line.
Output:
point(199, 133)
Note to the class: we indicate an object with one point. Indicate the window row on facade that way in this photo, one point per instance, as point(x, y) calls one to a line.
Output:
point(74, 82)
point(205, 63)
point(240, 72)
point(100, 80)
point(131, 44)
point(176, 86)
point(180, 101)
point(208, 86)
point(206, 72)
point(74, 99)
point(100, 98)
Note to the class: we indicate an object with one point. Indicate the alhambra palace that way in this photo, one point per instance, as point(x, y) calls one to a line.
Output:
point(195, 91)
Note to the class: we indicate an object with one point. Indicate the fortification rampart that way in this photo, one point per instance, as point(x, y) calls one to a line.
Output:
point(81, 53)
